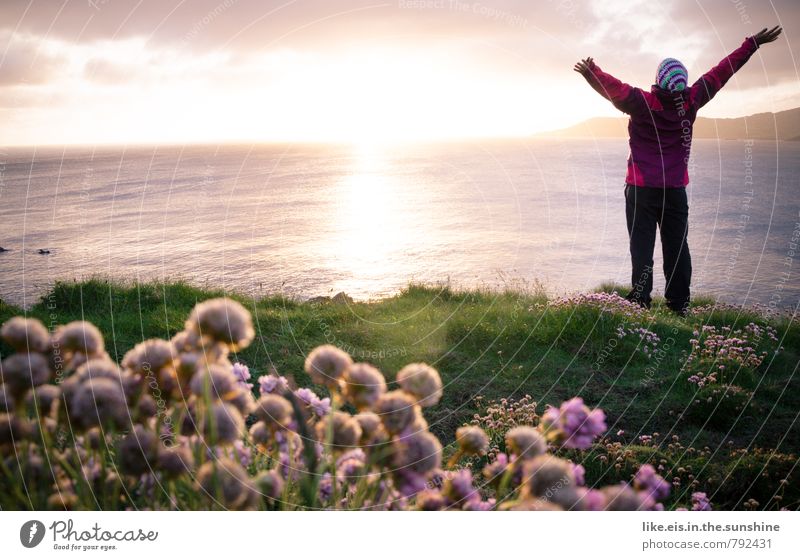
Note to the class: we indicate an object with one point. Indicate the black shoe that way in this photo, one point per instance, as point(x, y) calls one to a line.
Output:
point(679, 310)
point(635, 297)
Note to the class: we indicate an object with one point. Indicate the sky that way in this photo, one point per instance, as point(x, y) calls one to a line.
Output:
point(178, 71)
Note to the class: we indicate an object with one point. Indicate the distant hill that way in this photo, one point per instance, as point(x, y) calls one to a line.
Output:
point(785, 125)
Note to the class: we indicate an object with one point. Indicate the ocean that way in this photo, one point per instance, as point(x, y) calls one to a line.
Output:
point(312, 220)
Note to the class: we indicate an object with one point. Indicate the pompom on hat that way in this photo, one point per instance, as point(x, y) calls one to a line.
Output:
point(672, 75)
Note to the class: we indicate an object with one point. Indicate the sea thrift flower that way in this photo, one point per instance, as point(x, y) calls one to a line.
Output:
point(396, 410)
point(525, 442)
point(573, 425)
point(408, 483)
point(647, 480)
point(700, 502)
point(242, 374)
point(421, 381)
point(223, 320)
point(318, 406)
point(472, 440)
point(363, 385)
point(579, 474)
point(591, 500)
point(494, 471)
point(325, 487)
point(327, 364)
point(458, 489)
point(350, 466)
point(273, 384)
point(25, 335)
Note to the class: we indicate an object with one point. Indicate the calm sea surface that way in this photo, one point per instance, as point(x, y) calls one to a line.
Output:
point(315, 220)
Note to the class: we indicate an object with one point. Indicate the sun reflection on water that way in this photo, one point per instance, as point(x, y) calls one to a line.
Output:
point(369, 239)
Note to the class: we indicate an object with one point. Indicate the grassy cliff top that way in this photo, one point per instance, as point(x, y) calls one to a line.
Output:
point(489, 344)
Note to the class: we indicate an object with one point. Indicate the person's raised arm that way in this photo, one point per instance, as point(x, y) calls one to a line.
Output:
point(624, 97)
point(707, 86)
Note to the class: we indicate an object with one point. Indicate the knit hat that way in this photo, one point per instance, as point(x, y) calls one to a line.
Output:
point(672, 75)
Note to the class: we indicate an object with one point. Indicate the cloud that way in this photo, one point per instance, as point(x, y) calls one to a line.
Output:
point(114, 58)
point(27, 61)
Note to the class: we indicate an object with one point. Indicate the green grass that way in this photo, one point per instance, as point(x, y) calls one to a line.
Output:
point(483, 343)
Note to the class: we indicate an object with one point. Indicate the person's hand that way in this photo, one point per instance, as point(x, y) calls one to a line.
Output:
point(767, 35)
point(584, 67)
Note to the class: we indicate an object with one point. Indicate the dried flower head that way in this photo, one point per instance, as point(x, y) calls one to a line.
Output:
point(44, 399)
point(221, 424)
point(138, 451)
point(532, 504)
point(327, 364)
point(525, 442)
point(225, 482)
point(150, 357)
point(274, 411)
point(396, 410)
point(550, 478)
point(621, 497)
point(431, 500)
point(214, 382)
point(260, 433)
point(340, 429)
point(420, 452)
point(25, 335)
point(472, 440)
point(175, 461)
point(79, 337)
point(421, 381)
point(269, 484)
point(363, 385)
point(222, 320)
point(6, 399)
point(12, 429)
point(371, 429)
point(20, 372)
point(100, 402)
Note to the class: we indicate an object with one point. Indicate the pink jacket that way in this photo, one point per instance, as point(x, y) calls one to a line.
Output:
point(661, 122)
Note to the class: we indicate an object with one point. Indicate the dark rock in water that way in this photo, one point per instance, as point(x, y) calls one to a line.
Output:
point(342, 297)
point(3, 250)
point(339, 298)
point(44, 251)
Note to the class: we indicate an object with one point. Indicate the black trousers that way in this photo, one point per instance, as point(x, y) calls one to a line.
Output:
point(668, 209)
